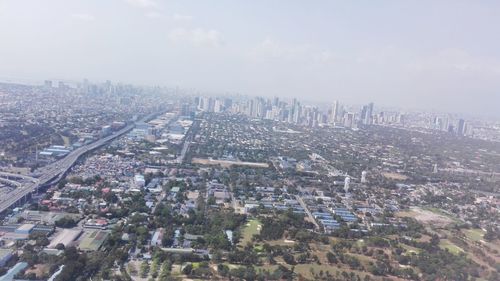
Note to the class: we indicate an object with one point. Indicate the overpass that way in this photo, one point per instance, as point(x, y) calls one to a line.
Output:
point(11, 182)
point(17, 176)
point(56, 170)
point(16, 180)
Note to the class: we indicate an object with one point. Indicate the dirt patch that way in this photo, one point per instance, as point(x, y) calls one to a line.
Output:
point(395, 176)
point(228, 163)
point(427, 217)
point(40, 270)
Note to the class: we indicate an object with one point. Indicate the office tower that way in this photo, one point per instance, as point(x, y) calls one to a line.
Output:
point(276, 101)
point(369, 114)
point(261, 107)
point(461, 127)
point(364, 112)
point(446, 125)
point(469, 131)
point(206, 104)
point(270, 114)
point(201, 103)
point(48, 84)
point(437, 123)
point(370, 109)
point(185, 109)
point(211, 104)
point(218, 106)
point(334, 112)
point(349, 120)
point(291, 111)
point(451, 129)
point(228, 103)
point(297, 113)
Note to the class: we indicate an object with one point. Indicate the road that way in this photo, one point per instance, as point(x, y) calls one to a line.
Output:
point(311, 217)
point(187, 142)
point(57, 169)
point(12, 175)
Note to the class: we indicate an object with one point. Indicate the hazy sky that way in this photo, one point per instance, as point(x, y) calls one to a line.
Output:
point(420, 54)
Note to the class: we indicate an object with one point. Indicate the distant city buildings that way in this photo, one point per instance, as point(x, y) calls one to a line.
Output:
point(293, 112)
point(335, 114)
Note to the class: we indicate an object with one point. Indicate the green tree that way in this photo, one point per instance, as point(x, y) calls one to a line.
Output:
point(187, 269)
point(144, 269)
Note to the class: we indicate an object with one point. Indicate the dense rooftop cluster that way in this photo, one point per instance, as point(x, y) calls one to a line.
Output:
point(222, 195)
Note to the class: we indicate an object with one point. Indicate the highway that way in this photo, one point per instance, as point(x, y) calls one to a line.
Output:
point(187, 142)
point(12, 175)
point(58, 168)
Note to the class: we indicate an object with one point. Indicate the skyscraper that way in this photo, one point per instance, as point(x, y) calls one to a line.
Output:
point(461, 127)
point(335, 112)
point(48, 84)
point(368, 120)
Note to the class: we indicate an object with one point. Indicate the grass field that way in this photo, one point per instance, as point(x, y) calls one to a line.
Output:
point(410, 248)
point(251, 228)
point(305, 269)
point(446, 244)
point(228, 163)
point(475, 234)
point(429, 216)
point(442, 213)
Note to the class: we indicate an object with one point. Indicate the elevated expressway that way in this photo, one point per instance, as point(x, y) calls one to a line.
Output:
point(52, 172)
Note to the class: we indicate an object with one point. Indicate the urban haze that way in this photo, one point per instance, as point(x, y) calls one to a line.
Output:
point(249, 140)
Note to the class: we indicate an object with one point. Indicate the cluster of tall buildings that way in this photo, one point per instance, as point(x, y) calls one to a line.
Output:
point(458, 127)
point(87, 87)
point(210, 104)
point(295, 112)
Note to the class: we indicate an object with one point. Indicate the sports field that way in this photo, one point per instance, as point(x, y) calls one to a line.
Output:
point(251, 228)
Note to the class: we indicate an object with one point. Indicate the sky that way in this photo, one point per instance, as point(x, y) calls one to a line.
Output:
point(437, 55)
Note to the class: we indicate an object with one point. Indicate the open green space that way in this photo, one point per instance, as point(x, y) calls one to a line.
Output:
point(305, 269)
point(475, 234)
point(410, 248)
point(442, 213)
point(251, 228)
point(446, 244)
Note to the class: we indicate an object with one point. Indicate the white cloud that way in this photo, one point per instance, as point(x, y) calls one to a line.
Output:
point(153, 15)
point(179, 17)
point(142, 3)
point(83, 17)
point(272, 49)
point(454, 60)
point(196, 36)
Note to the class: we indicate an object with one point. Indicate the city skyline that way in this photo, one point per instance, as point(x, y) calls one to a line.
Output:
point(257, 140)
point(322, 104)
point(330, 51)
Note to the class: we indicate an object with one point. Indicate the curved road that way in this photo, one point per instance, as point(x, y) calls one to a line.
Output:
point(59, 168)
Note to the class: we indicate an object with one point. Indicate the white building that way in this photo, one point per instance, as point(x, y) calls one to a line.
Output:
point(363, 177)
point(347, 182)
point(139, 181)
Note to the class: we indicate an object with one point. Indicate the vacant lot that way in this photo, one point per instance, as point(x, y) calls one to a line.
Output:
point(432, 217)
point(395, 176)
